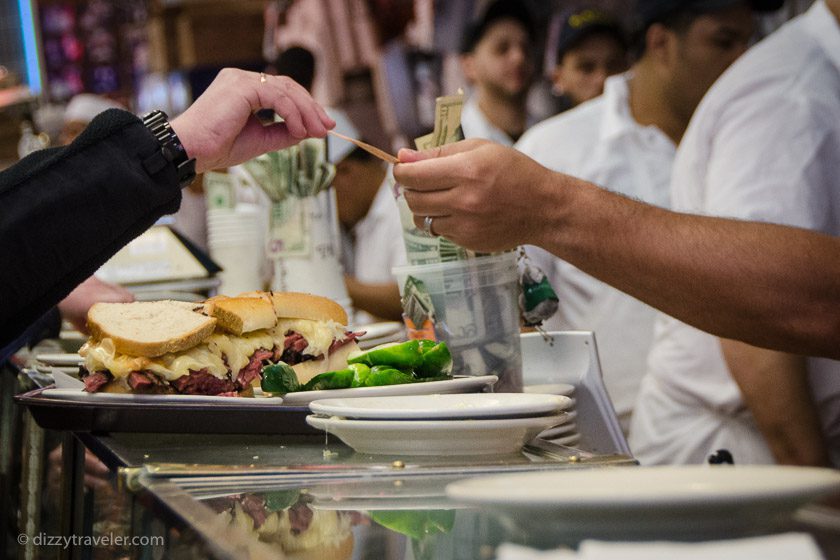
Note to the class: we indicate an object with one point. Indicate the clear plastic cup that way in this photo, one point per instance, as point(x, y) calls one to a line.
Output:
point(476, 308)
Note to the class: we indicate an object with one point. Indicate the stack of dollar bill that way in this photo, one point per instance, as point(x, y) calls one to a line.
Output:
point(299, 171)
point(422, 248)
point(290, 178)
point(480, 322)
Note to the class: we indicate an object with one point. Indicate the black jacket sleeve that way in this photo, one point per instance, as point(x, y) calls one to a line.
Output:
point(65, 211)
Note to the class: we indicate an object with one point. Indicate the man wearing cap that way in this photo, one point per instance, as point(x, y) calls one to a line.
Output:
point(497, 59)
point(590, 47)
point(626, 141)
point(762, 146)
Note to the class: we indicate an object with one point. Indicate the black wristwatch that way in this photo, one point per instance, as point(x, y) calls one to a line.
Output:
point(171, 149)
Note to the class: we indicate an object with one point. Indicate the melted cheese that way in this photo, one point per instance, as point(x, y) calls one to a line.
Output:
point(102, 355)
point(218, 354)
point(239, 349)
point(319, 334)
point(173, 366)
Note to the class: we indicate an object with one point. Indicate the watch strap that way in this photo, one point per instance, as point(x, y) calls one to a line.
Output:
point(171, 150)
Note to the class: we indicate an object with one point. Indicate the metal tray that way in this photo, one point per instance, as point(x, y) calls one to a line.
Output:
point(198, 418)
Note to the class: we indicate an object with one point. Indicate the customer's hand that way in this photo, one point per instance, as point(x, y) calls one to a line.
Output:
point(479, 194)
point(220, 128)
point(97, 475)
point(75, 306)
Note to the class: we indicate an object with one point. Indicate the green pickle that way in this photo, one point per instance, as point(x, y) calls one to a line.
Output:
point(281, 499)
point(339, 379)
point(407, 362)
point(405, 355)
point(426, 358)
point(387, 375)
point(279, 378)
point(436, 360)
point(360, 374)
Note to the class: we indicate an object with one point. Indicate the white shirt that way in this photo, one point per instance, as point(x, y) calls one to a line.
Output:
point(601, 142)
point(475, 125)
point(377, 244)
point(763, 145)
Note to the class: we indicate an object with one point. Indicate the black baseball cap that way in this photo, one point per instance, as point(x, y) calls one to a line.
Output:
point(582, 23)
point(498, 10)
point(649, 11)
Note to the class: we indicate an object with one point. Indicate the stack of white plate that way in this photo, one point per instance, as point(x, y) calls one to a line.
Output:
point(235, 239)
point(682, 502)
point(453, 424)
point(380, 333)
point(566, 433)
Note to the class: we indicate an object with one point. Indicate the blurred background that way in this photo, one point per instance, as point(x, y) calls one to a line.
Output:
point(382, 61)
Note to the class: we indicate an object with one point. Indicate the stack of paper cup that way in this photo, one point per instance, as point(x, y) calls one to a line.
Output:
point(235, 240)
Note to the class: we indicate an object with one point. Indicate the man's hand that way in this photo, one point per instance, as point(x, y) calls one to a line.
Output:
point(220, 128)
point(75, 306)
point(479, 194)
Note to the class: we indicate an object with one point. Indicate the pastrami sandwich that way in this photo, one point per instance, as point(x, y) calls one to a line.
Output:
point(213, 348)
point(287, 524)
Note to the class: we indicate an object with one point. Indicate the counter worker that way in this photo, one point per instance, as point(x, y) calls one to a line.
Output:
point(89, 199)
point(497, 60)
point(626, 141)
point(769, 285)
point(590, 47)
point(763, 145)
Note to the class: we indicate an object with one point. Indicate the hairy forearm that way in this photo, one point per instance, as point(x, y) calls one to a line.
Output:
point(775, 388)
point(771, 286)
point(381, 300)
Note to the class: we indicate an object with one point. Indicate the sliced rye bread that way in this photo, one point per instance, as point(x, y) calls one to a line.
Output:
point(150, 328)
point(297, 305)
point(240, 315)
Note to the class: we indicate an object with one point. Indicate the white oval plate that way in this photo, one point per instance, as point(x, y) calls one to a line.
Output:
point(80, 395)
point(563, 429)
point(439, 407)
point(435, 437)
point(673, 502)
point(551, 389)
point(568, 439)
point(60, 359)
point(465, 384)
point(379, 330)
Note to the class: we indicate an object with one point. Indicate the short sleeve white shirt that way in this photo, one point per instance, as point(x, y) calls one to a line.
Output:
point(475, 124)
point(601, 142)
point(377, 243)
point(763, 145)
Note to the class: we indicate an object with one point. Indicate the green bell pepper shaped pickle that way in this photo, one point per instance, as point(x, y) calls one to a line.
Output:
point(436, 360)
point(279, 378)
point(405, 355)
point(281, 499)
point(339, 379)
point(360, 374)
point(387, 375)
